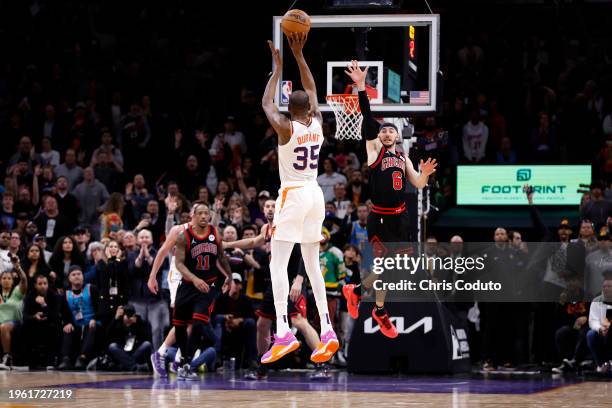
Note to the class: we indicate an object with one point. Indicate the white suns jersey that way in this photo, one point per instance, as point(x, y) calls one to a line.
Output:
point(173, 273)
point(298, 159)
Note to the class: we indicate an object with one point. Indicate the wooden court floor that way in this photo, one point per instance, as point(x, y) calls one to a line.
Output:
point(127, 391)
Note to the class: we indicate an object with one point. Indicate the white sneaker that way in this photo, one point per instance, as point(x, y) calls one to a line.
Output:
point(604, 368)
point(6, 362)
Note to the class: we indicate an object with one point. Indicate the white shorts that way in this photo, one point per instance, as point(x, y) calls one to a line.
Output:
point(174, 280)
point(300, 211)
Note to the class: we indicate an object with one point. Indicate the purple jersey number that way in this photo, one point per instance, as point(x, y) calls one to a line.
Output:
point(302, 157)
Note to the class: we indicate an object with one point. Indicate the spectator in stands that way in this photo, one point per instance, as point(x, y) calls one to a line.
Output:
point(114, 155)
point(598, 262)
point(91, 196)
point(80, 321)
point(112, 217)
point(106, 170)
point(11, 308)
point(112, 281)
point(358, 236)
point(586, 236)
point(571, 336)
point(334, 272)
point(156, 224)
point(340, 200)
point(34, 265)
point(475, 136)
point(543, 139)
point(129, 338)
point(7, 215)
point(41, 324)
point(358, 192)
point(235, 322)
point(135, 136)
point(138, 195)
point(600, 315)
point(15, 244)
point(41, 241)
point(67, 203)
point(48, 155)
point(506, 154)
point(51, 223)
point(151, 307)
point(70, 169)
point(329, 179)
point(51, 129)
point(65, 255)
point(25, 153)
point(596, 208)
point(82, 236)
point(239, 261)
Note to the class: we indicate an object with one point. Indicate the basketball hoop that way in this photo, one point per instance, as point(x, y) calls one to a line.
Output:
point(348, 115)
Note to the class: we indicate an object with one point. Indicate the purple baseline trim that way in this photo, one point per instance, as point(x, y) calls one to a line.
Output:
point(342, 382)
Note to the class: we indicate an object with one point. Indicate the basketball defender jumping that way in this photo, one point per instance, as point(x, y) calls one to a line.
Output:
point(388, 221)
point(300, 207)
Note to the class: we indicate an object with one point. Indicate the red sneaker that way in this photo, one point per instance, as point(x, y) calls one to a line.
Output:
point(386, 327)
point(352, 300)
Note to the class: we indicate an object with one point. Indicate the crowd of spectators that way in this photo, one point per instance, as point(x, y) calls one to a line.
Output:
point(108, 135)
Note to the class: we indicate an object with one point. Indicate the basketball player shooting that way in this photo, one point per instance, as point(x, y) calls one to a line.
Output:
point(300, 207)
point(388, 221)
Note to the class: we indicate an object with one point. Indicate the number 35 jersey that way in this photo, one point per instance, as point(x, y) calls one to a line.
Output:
point(300, 207)
point(298, 159)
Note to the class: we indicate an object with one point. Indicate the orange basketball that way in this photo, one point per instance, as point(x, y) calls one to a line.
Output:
point(295, 21)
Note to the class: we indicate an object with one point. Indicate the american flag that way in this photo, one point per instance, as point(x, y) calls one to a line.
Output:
point(419, 97)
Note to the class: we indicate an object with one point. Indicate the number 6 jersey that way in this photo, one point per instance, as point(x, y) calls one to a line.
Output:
point(298, 159)
point(387, 182)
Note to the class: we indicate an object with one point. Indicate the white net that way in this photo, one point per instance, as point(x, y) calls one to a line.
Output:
point(348, 116)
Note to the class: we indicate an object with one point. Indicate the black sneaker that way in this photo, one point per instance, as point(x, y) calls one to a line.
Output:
point(321, 373)
point(81, 363)
point(566, 366)
point(66, 364)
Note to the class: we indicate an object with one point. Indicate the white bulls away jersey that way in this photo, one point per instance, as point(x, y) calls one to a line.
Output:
point(298, 159)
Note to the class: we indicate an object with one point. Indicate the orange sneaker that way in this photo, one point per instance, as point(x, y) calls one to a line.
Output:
point(352, 300)
point(326, 349)
point(386, 327)
point(280, 348)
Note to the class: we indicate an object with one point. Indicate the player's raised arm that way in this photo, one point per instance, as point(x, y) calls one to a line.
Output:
point(296, 43)
point(279, 122)
point(247, 243)
point(427, 169)
point(369, 126)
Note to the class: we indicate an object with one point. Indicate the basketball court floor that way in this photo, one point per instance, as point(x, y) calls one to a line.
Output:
point(296, 389)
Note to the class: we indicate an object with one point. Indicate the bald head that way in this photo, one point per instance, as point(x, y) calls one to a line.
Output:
point(299, 103)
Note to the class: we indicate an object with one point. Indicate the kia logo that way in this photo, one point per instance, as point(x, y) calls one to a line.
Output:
point(370, 327)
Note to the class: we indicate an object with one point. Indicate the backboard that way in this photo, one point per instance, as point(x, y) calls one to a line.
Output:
point(401, 51)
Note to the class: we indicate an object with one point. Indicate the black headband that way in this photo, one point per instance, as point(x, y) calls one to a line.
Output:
point(388, 124)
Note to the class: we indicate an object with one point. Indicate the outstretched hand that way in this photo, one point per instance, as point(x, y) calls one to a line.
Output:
point(278, 62)
point(357, 74)
point(296, 42)
point(428, 167)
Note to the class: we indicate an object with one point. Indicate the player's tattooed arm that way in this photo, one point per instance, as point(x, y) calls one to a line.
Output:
point(181, 245)
point(279, 122)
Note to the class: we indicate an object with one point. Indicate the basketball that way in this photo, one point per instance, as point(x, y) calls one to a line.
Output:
point(295, 21)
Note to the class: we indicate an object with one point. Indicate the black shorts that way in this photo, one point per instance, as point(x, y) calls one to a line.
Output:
point(268, 311)
point(191, 304)
point(388, 228)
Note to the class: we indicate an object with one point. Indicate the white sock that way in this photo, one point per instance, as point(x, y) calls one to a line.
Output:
point(281, 251)
point(177, 356)
point(310, 253)
point(162, 349)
